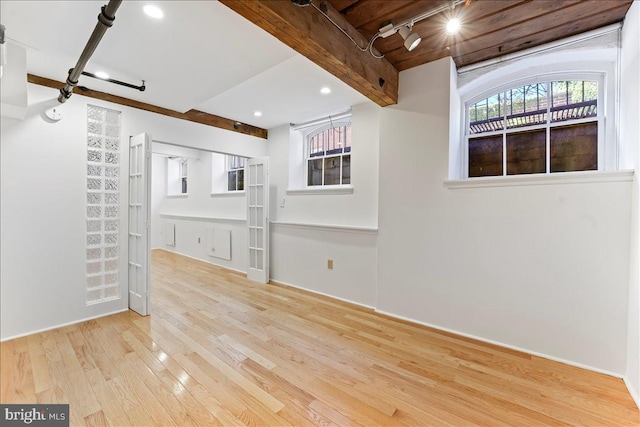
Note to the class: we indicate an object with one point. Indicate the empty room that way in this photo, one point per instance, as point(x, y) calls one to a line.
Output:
point(320, 212)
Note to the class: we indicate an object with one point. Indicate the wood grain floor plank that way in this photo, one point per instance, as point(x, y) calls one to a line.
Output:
point(219, 350)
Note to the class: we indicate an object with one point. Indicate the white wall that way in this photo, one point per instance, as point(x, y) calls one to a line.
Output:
point(199, 210)
point(541, 267)
point(630, 147)
point(43, 206)
point(299, 252)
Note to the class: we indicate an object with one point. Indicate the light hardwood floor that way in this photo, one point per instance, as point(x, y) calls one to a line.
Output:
point(219, 350)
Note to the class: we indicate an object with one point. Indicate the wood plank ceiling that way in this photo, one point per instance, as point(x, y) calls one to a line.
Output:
point(491, 28)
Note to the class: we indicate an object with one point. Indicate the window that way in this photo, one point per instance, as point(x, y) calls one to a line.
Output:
point(177, 168)
point(183, 176)
point(328, 155)
point(545, 126)
point(235, 173)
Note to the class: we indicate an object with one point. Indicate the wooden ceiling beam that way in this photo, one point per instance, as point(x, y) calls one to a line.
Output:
point(312, 35)
point(195, 116)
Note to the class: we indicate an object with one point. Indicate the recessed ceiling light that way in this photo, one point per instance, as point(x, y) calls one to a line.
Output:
point(453, 26)
point(325, 90)
point(257, 113)
point(102, 75)
point(153, 11)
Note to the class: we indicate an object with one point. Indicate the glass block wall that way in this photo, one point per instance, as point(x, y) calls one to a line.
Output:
point(103, 197)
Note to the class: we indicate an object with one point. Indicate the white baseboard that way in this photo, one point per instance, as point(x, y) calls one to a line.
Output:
point(500, 344)
point(63, 325)
point(322, 293)
point(632, 391)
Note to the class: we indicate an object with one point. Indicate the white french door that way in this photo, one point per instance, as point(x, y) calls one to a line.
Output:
point(257, 193)
point(139, 222)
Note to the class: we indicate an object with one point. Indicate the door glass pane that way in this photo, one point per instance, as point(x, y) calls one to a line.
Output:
point(485, 156)
point(259, 197)
point(259, 216)
point(259, 242)
point(259, 174)
point(252, 258)
point(252, 237)
point(574, 148)
point(259, 263)
point(526, 152)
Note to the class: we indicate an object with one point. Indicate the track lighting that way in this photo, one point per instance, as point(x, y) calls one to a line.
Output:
point(453, 26)
point(411, 39)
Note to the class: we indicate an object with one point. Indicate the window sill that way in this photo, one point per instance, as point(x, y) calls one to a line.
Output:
point(542, 179)
point(177, 196)
point(338, 189)
point(229, 194)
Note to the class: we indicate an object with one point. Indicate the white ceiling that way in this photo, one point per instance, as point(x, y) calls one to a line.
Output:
point(201, 55)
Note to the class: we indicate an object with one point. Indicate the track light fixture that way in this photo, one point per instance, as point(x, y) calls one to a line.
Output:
point(411, 39)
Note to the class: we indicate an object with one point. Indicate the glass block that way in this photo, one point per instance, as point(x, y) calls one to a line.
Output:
point(113, 131)
point(94, 170)
point(94, 184)
point(111, 278)
point(94, 253)
point(112, 158)
point(111, 225)
point(112, 144)
point(111, 292)
point(111, 211)
point(111, 184)
point(94, 156)
point(110, 238)
point(95, 113)
point(111, 198)
point(113, 117)
point(94, 141)
point(94, 267)
point(111, 265)
point(94, 198)
point(94, 225)
point(94, 295)
point(94, 211)
point(111, 252)
point(110, 171)
point(93, 239)
point(94, 127)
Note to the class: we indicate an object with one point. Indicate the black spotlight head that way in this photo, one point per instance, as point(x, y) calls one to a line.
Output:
point(301, 3)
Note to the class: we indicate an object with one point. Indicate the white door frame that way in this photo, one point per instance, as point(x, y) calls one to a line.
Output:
point(257, 194)
point(139, 202)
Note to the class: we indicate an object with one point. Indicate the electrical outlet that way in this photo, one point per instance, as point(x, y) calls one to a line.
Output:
point(330, 264)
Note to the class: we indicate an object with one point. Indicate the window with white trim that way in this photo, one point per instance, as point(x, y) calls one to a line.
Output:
point(539, 126)
point(328, 155)
point(235, 173)
point(177, 173)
